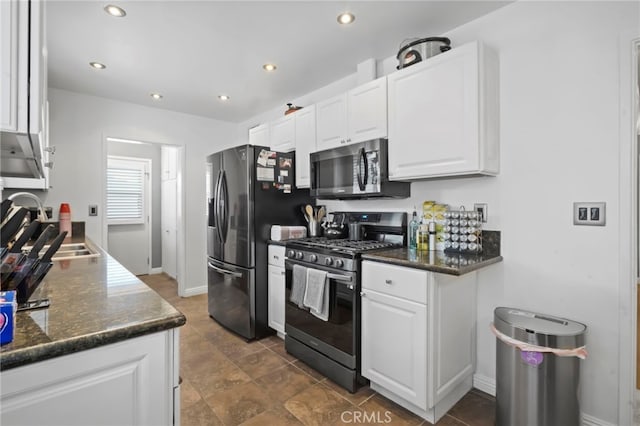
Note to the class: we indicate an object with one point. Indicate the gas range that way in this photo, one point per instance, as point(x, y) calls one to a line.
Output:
point(338, 254)
point(383, 230)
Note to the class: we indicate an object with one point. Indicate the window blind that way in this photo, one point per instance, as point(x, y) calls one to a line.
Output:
point(125, 192)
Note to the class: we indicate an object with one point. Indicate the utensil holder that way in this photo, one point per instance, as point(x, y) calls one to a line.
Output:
point(314, 228)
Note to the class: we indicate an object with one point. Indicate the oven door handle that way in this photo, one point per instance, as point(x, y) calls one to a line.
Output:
point(224, 271)
point(339, 277)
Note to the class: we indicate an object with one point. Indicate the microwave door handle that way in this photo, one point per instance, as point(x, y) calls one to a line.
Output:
point(225, 271)
point(362, 177)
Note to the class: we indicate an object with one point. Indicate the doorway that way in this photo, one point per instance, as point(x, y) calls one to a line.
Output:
point(167, 208)
point(129, 202)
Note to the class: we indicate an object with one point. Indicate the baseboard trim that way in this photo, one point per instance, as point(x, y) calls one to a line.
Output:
point(194, 291)
point(154, 271)
point(485, 384)
point(588, 420)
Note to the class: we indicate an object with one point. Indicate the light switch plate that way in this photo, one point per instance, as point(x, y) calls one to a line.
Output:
point(592, 214)
point(93, 210)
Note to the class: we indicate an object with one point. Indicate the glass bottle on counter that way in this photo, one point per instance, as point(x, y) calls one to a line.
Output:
point(423, 237)
point(414, 225)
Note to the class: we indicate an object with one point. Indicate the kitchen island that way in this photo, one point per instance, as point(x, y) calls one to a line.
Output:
point(105, 351)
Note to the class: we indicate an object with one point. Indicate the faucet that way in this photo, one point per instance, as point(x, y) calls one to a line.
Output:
point(42, 215)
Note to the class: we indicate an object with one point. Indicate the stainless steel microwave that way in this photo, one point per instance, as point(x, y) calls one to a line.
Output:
point(357, 170)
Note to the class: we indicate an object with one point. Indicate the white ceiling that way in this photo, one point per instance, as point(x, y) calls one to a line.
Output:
point(192, 51)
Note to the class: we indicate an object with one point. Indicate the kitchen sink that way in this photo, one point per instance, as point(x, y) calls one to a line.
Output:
point(69, 251)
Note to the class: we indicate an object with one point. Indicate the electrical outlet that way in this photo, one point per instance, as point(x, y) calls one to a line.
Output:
point(592, 214)
point(93, 210)
point(482, 209)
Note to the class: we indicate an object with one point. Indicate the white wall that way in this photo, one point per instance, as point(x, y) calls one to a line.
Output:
point(559, 84)
point(78, 124)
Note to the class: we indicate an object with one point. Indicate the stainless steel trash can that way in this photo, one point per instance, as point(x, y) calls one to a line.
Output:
point(535, 388)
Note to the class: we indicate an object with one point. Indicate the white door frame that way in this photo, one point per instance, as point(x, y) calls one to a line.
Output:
point(180, 195)
point(628, 227)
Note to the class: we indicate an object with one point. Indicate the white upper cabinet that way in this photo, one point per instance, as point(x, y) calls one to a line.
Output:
point(356, 116)
point(305, 137)
point(444, 115)
point(282, 134)
point(23, 109)
point(259, 135)
point(168, 162)
point(367, 111)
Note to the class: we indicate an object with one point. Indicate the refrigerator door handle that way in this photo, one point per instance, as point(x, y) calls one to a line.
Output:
point(225, 206)
point(225, 271)
point(216, 205)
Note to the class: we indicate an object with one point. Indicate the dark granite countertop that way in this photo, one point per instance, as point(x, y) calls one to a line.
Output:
point(93, 302)
point(434, 261)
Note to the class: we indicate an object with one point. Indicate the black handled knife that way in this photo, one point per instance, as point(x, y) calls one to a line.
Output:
point(5, 206)
point(24, 237)
point(16, 264)
point(12, 226)
point(27, 286)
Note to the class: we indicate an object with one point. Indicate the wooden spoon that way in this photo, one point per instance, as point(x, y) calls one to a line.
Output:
point(309, 211)
point(321, 212)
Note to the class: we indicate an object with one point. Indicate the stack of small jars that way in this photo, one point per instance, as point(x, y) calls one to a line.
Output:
point(462, 231)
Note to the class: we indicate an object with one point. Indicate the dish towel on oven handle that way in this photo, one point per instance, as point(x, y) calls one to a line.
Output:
point(298, 285)
point(316, 296)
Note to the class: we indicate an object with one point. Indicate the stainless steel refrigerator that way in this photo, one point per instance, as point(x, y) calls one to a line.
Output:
point(249, 188)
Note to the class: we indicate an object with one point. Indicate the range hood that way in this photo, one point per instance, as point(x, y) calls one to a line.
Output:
point(22, 162)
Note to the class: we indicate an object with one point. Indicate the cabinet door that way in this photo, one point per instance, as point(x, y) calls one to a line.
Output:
point(259, 135)
point(394, 345)
point(305, 143)
point(168, 162)
point(331, 122)
point(434, 116)
point(367, 111)
point(276, 298)
point(9, 65)
point(282, 134)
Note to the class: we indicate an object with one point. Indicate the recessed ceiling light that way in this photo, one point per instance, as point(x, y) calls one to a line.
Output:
point(269, 67)
point(97, 65)
point(346, 18)
point(223, 97)
point(116, 11)
point(156, 96)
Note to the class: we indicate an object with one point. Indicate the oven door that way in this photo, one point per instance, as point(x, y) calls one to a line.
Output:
point(337, 337)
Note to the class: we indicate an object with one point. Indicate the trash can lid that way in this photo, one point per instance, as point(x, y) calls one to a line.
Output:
point(532, 322)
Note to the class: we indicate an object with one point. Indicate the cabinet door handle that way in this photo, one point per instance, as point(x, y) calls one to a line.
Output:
point(282, 273)
point(362, 294)
point(389, 282)
point(276, 257)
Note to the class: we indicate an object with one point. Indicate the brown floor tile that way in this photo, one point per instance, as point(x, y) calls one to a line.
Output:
point(310, 371)
point(357, 398)
point(234, 347)
point(271, 341)
point(318, 405)
point(285, 382)
point(240, 403)
point(386, 409)
point(199, 414)
point(188, 395)
point(225, 378)
point(260, 363)
point(475, 410)
point(276, 416)
point(447, 420)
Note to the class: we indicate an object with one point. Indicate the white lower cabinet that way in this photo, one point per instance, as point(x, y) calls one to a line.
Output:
point(134, 382)
point(418, 336)
point(276, 288)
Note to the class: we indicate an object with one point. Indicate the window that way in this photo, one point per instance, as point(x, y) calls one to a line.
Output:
point(126, 186)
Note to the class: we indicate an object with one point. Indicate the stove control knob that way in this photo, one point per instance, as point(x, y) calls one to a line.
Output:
point(313, 258)
point(339, 263)
point(291, 254)
point(328, 261)
point(299, 255)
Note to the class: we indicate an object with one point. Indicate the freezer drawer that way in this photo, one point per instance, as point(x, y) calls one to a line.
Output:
point(231, 297)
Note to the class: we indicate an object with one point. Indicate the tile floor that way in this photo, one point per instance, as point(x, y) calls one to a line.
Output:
point(227, 381)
